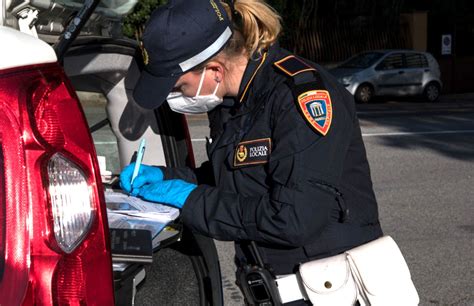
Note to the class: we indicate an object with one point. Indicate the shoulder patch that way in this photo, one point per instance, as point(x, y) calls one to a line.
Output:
point(291, 65)
point(316, 107)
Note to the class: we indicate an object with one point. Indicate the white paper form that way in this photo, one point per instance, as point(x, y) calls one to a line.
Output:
point(121, 203)
point(124, 211)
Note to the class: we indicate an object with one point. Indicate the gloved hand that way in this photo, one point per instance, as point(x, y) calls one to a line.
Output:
point(146, 175)
point(172, 192)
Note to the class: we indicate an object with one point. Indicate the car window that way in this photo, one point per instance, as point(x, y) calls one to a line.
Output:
point(393, 61)
point(363, 60)
point(416, 60)
point(109, 8)
point(105, 141)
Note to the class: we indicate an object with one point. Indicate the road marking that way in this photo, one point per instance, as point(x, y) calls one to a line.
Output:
point(198, 139)
point(384, 112)
point(393, 112)
point(413, 111)
point(417, 133)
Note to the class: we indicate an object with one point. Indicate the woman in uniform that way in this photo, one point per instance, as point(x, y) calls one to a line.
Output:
point(287, 165)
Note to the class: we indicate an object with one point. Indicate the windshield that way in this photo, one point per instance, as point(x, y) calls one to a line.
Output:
point(363, 60)
point(108, 8)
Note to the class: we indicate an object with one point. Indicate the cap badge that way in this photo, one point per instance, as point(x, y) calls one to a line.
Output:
point(146, 58)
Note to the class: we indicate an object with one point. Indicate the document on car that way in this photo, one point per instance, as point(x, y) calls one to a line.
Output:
point(124, 211)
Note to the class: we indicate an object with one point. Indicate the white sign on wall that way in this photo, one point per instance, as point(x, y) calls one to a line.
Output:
point(446, 44)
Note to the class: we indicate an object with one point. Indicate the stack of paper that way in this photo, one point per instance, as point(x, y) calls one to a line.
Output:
point(125, 211)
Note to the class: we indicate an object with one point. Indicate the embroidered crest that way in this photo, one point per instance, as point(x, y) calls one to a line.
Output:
point(316, 107)
point(241, 154)
point(252, 152)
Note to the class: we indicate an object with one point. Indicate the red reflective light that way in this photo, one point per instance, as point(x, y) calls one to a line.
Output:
point(3, 220)
point(16, 252)
point(40, 117)
point(68, 282)
point(46, 119)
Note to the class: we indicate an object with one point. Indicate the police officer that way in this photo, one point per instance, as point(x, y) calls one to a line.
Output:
point(287, 165)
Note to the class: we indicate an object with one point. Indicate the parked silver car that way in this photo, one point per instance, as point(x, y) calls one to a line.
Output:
point(390, 73)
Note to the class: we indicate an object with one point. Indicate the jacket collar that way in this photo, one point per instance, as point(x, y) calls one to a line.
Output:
point(253, 79)
point(251, 71)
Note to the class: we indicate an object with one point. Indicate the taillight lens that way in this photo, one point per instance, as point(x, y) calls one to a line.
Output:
point(70, 198)
point(14, 204)
point(56, 227)
point(3, 219)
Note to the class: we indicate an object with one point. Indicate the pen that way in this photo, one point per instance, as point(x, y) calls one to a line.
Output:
point(138, 162)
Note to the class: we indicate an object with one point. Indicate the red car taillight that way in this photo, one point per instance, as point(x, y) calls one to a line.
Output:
point(54, 243)
point(3, 220)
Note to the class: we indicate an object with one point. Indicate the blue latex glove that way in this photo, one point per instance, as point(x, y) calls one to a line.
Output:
point(146, 175)
point(172, 192)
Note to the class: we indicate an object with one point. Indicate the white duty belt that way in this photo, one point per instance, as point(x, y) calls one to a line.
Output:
point(289, 288)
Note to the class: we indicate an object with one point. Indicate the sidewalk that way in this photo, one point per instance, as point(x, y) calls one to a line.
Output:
point(457, 98)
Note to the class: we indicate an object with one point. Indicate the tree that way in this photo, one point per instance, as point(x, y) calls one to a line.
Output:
point(134, 23)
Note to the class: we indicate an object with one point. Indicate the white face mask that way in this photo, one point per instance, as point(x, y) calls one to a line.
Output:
point(194, 105)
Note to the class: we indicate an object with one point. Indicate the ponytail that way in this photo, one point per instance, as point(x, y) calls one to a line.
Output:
point(257, 27)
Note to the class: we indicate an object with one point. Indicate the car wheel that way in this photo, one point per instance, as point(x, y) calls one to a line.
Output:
point(364, 93)
point(431, 92)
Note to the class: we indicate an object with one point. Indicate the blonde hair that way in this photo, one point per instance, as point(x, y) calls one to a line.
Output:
point(258, 28)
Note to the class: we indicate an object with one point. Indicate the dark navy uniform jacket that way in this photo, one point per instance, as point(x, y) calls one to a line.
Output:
point(274, 179)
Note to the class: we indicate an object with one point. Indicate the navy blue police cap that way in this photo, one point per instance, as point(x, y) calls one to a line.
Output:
point(178, 37)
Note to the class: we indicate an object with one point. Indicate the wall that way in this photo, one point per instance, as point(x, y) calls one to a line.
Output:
point(418, 27)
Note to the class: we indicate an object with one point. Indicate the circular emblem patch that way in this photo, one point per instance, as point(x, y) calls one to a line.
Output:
point(242, 153)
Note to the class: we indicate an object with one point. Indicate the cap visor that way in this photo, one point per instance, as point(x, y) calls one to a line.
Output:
point(151, 91)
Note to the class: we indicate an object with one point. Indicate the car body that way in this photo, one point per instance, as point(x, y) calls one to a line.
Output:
point(54, 233)
point(390, 73)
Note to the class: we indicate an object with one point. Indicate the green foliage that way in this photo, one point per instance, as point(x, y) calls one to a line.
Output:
point(135, 21)
point(287, 12)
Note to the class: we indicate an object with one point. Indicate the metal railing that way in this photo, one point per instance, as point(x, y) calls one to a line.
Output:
point(328, 41)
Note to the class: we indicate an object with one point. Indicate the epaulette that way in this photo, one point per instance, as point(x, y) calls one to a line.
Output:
point(311, 96)
point(291, 65)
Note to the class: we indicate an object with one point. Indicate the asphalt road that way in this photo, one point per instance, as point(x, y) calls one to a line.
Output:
point(421, 159)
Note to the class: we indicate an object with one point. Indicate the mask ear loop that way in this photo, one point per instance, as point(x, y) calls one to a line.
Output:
point(217, 87)
point(201, 82)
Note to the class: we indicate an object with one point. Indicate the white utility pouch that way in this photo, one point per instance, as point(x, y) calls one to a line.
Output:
point(381, 274)
point(328, 281)
point(374, 274)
